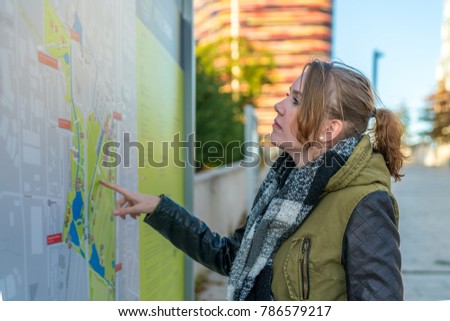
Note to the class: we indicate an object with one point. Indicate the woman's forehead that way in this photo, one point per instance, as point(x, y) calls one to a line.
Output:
point(298, 83)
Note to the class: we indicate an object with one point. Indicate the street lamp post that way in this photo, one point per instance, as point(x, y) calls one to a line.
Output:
point(376, 55)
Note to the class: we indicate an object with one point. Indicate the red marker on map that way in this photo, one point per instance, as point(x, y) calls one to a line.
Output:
point(74, 35)
point(116, 115)
point(64, 123)
point(54, 238)
point(47, 60)
point(118, 267)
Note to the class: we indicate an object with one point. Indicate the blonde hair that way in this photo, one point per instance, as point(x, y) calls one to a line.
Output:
point(337, 91)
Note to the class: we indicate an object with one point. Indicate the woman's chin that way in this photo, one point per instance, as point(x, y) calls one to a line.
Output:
point(276, 144)
point(273, 140)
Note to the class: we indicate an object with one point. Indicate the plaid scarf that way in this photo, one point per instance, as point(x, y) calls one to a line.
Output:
point(285, 198)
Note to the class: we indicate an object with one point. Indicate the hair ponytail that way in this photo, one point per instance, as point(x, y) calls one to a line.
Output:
point(388, 132)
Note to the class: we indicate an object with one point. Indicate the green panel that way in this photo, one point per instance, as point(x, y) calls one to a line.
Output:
point(160, 117)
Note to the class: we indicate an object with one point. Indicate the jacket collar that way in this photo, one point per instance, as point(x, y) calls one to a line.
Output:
point(364, 166)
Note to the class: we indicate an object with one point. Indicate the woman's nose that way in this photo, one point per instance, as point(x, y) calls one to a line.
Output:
point(278, 108)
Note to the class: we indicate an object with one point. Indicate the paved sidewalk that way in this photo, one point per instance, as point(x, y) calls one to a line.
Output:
point(423, 196)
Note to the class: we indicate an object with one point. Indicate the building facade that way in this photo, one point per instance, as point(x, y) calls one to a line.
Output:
point(294, 32)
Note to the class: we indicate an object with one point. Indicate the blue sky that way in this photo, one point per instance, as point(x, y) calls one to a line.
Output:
point(407, 32)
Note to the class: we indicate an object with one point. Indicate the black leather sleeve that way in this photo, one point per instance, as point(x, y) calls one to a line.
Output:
point(194, 237)
point(371, 254)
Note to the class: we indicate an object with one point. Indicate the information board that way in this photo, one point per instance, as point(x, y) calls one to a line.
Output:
point(80, 82)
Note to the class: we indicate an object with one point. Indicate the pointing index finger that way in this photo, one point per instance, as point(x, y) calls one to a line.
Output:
point(116, 188)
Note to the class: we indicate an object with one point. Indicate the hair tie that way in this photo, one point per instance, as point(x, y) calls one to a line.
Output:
point(373, 113)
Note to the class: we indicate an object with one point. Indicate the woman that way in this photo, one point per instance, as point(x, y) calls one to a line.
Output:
point(324, 222)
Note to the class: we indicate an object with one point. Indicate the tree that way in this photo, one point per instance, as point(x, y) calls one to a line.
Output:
point(439, 114)
point(426, 117)
point(218, 121)
point(219, 115)
point(404, 115)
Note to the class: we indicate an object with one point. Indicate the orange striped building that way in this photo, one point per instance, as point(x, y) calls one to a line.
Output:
point(294, 31)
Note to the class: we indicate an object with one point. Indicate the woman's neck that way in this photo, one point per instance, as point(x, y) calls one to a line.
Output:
point(304, 156)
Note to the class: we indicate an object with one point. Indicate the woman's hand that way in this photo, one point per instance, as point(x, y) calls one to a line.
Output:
point(132, 203)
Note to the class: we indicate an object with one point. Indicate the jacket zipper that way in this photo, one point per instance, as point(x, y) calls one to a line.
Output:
point(304, 267)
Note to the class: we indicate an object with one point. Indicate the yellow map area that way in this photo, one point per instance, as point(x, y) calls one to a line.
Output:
point(89, 227)
point(101, 201)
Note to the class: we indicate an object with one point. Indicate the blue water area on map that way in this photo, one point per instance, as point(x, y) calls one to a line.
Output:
point(74, 234)
point(113, 264)
point(78, 27)
point(95, 262)
point(77, 206)
point(66, 58)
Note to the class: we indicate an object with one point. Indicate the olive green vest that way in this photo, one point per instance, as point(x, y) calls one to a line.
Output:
point(307, 266)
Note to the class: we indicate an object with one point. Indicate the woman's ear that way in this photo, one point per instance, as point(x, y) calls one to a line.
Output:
point(332, 128)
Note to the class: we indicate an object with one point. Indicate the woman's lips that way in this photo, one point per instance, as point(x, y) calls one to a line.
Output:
point(276, 125)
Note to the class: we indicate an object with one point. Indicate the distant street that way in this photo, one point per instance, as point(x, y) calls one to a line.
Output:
point(423, 196)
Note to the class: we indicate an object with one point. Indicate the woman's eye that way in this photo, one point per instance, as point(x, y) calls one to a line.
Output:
point(295, 100)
